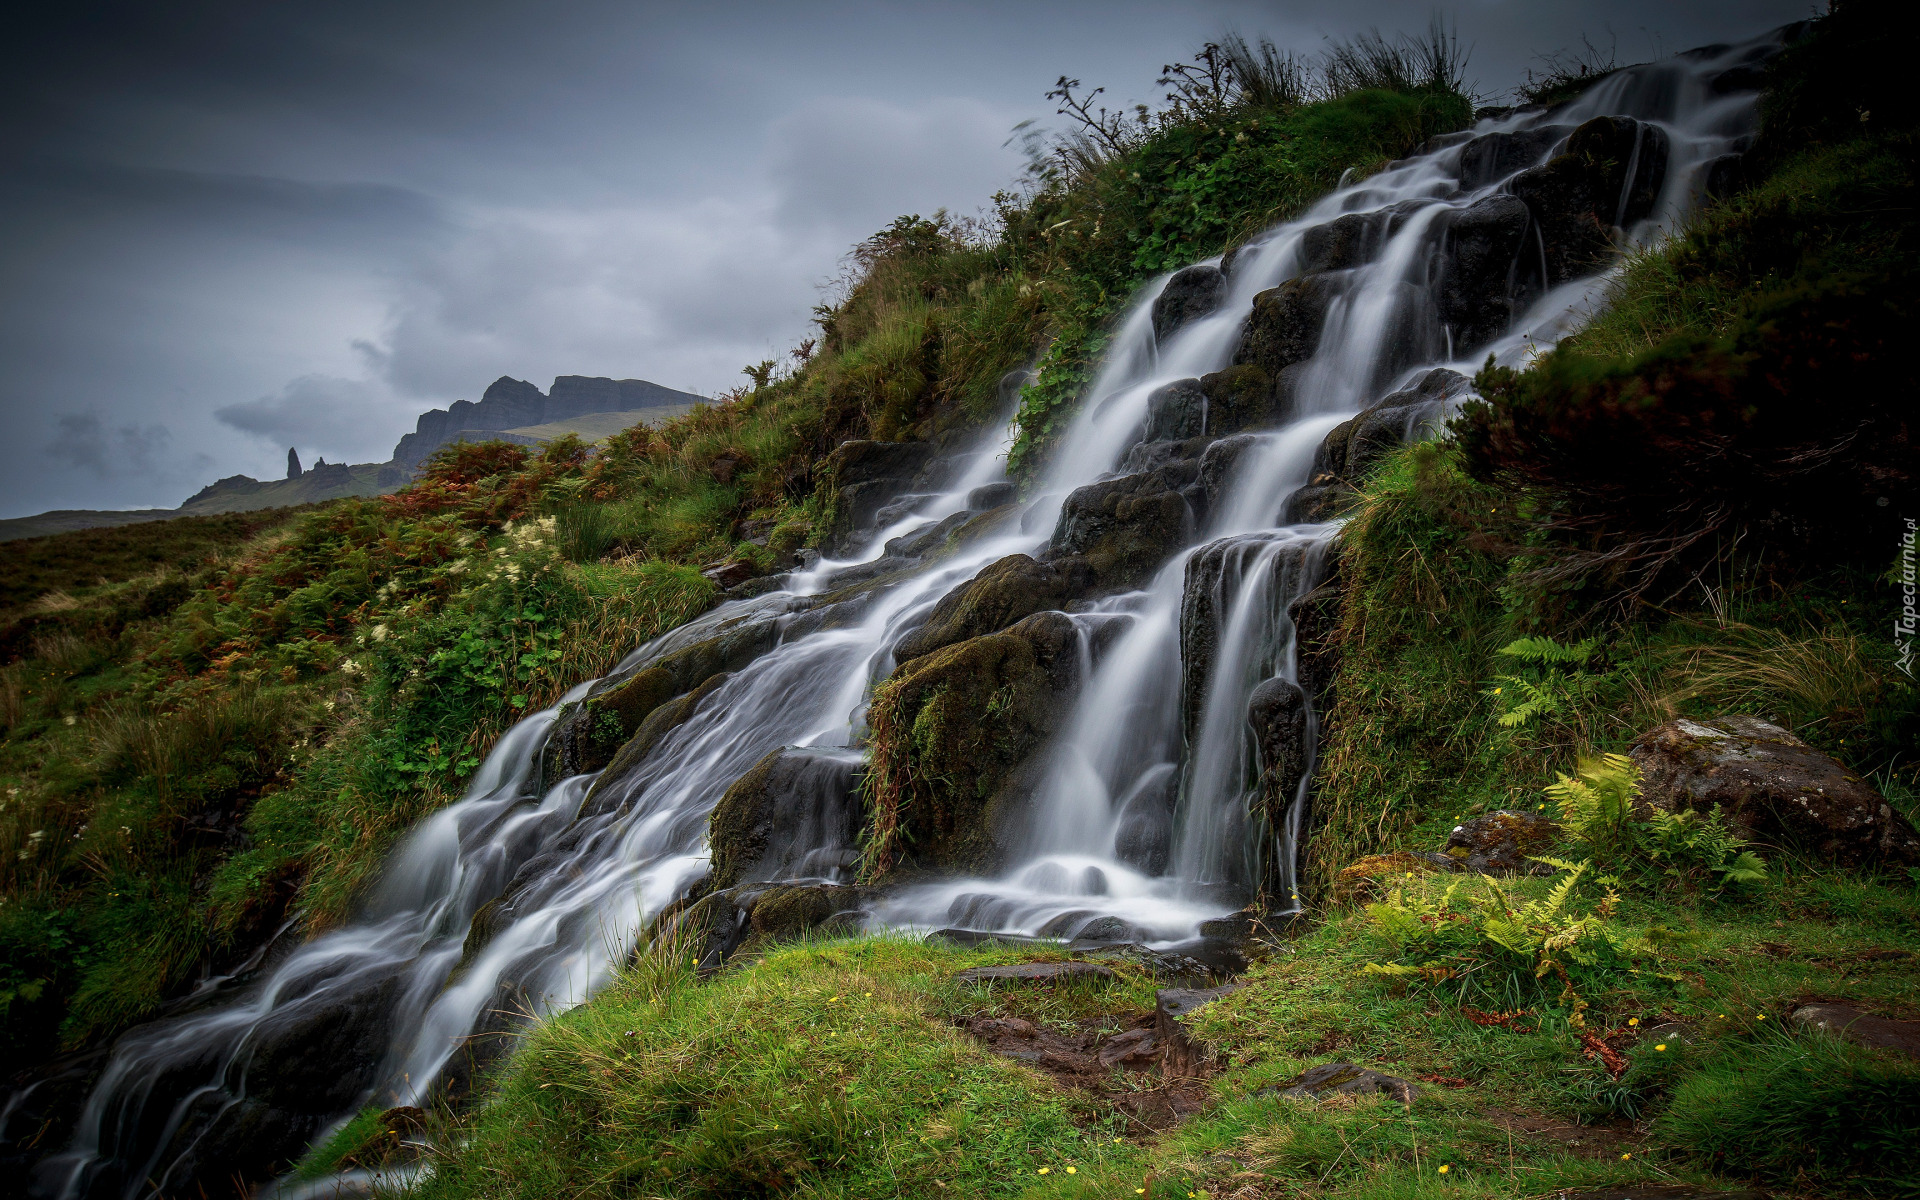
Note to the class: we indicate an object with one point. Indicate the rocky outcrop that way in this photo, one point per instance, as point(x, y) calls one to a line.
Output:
point(293, 463)
point(1285, 325)
point(1607, 178)
point(1480, 254)
point(1774, 788)
point(1127, 527)
point(510, 403)
point(1192, 293)
point(1345, 1079)
point(1002, 593)
point(1278, 715)
point(1492, 157)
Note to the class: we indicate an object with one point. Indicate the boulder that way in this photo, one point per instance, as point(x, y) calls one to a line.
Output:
point(1774, 788)
point(792, 816)
point(1002, 593)
point(1503, 843)
point(1344, 242)
point(1219, 464)
point(589, 737)
point(1858, 1025)
point(989, 496)
point(1192, 293)
point(781, 913)
point(1176, 411)
point(1354, 447)
point(1220, 575)
point(1368, 878)
point(1126, 527)
point(606, 790)
point(1607, 178)
point(1345, 1079)
point(1277, 713)
point(1479, 249)
point(1247, 396)
point(1144, 838)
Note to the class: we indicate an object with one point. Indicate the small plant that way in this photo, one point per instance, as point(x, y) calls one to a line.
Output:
point(1601, 808)
point(1487, 945)
point(1556, 682)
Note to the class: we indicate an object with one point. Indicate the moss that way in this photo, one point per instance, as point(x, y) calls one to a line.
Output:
point(660, 722)
point(737, 830)
point(1002, 593)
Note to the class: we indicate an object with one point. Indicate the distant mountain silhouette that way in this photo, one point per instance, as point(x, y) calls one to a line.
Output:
point(510, 403)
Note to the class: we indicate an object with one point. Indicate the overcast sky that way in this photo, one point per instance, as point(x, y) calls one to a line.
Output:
point(230, 228)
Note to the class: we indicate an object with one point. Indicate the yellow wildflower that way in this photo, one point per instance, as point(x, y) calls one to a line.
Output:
point(1445, 1167)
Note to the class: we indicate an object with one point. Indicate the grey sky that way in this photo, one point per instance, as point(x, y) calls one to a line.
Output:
point(227, 228)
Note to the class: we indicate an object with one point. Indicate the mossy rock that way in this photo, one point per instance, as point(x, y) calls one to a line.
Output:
point(787, 912)
point(1126, 527)
point(1370, 877)
point(952, 731)
point(793, 814)
point(660, 722)
point(1003, 592)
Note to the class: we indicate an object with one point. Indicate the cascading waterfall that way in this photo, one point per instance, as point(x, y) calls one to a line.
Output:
point(1147, 817)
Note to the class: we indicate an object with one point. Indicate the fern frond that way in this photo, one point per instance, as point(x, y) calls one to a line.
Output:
point(1542, 651)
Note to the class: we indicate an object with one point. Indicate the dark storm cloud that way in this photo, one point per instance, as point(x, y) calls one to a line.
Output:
point(231, 227)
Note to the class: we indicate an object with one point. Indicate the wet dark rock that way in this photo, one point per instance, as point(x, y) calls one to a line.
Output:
point(1344, 1079)
point(1106, 931)
point(1503, 843)
point(1608, 177)
point(729, 572)
point(315, 1055)
point(1216, 574)
point(1126, 527)
point(1316, 628)
point(1145, 837)
point(1479, 254)
point(1728, 175)
point(1220, 462)
point(1773, 787)
point(1284, 327)
point(1343, 243)
point(1003, 592)
point(792, 816)
point(1862, 1027)
point(1036, 973)
point(928, 541)
point(1181, 1054)
point(1176, 412)
point(587, 738)
point(1492, 157)
point(991, 495)
point(974, 937)
point(1662, 1191)
point(1148, 456)
point(1246, 396)
point(1192, 293)
point(1277, 713)
point(862, 477)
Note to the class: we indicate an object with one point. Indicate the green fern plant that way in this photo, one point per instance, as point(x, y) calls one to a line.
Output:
point(1481, 942)
point(1558, 681)
point(1600, 808)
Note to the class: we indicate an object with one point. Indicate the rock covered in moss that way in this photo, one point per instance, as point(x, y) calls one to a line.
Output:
point(1773, 787)
point(952, 731)
point(1354, 447)
point(792, 816)
point(1476, 292)
point(1126, 527)
point(1285, 325)
point(1366, 878)
point(1503, 842)
point(1003, 592)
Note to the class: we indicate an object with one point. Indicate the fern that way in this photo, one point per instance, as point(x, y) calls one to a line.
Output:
point(1555, 692)
point(1598, 808)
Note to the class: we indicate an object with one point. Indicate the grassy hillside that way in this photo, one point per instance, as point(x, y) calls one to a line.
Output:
point(1620, 1024)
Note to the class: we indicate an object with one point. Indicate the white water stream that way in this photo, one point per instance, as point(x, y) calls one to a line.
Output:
point(590, 881)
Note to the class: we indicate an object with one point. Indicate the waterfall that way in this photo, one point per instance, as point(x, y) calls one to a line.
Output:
point(1148, 815)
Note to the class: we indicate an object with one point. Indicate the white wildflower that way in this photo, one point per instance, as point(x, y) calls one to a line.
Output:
point(69, 719)
point(380, 633)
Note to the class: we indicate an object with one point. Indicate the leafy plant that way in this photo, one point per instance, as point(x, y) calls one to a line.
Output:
point(1555, 685)
point(1479, 940)
point(1601, 808)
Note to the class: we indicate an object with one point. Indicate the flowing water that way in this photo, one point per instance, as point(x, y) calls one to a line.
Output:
point(1144, 817)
